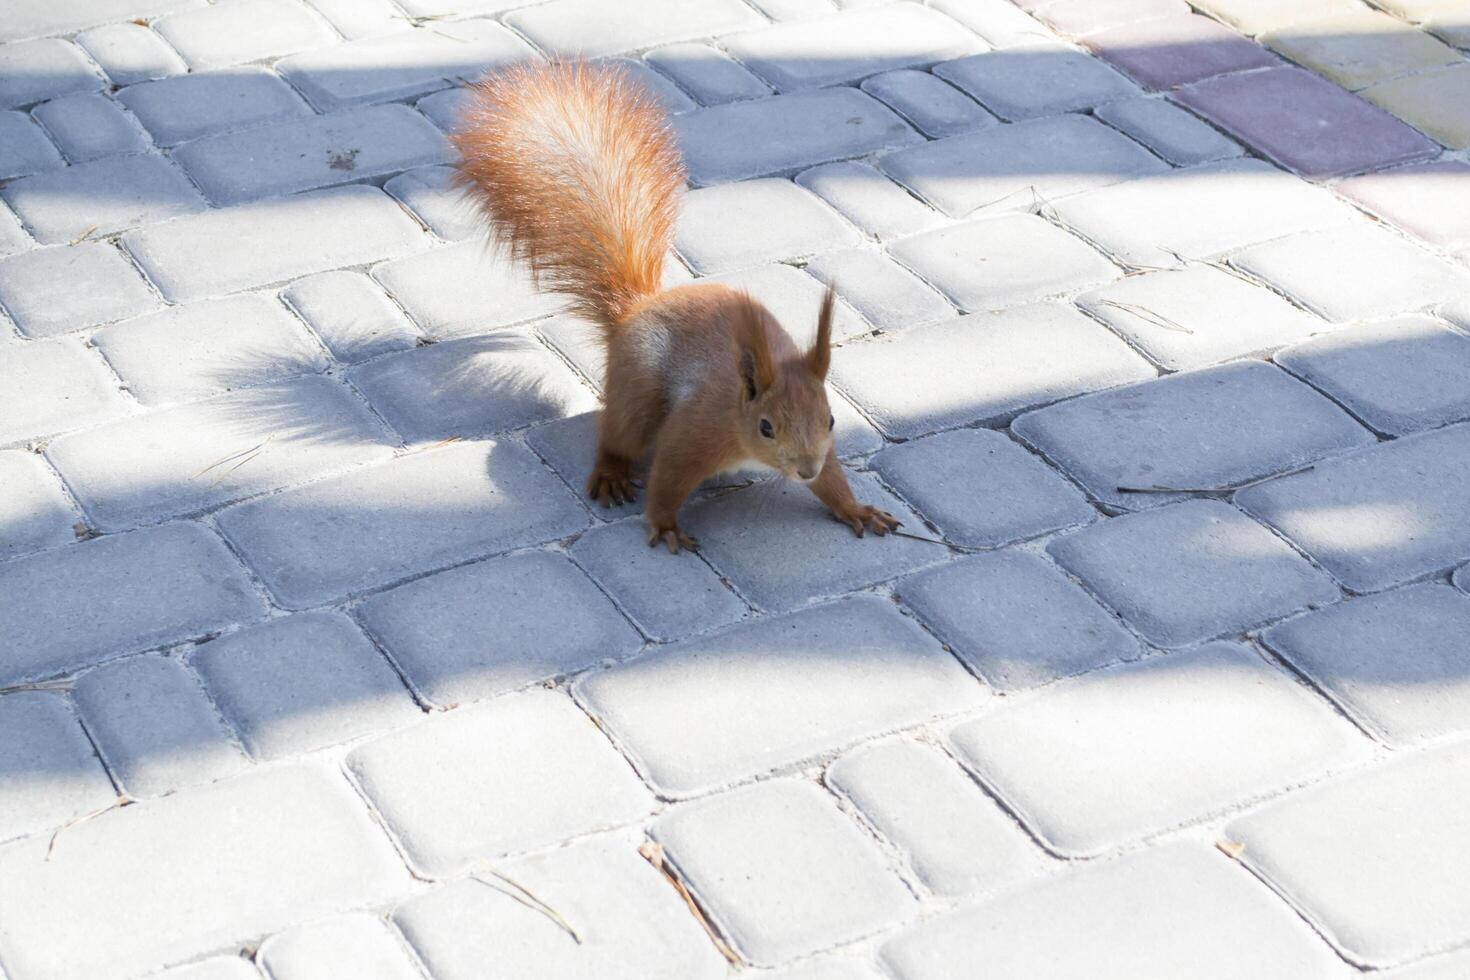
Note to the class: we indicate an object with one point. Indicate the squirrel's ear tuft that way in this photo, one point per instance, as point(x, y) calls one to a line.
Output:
point(819, 358)
point(757, 369)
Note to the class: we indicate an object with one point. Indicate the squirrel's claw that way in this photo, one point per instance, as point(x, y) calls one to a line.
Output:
point(611, 488)
point(862, 515)
point(673, 537)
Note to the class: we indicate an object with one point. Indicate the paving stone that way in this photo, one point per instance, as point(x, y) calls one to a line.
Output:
point(121, 874)
point(186, 107)
point(131, 53)
point(1198, 213)
point(1354, 273)
point(1305, 848)
point(782, 870)
point(87, 126)
point(1430, 201)
point(1462, 579)
point(793, 298)
point(377, 525)
point(957, 840)
point(465, 289)
point(1107, 758)
point(1451, 25)
point(1438, 968)
point(409, 63)
point(1169, 131)
point(1164, 53)
point(152, 723)
point(1255, 16)
point(429, 193)
point(869, 200)
point(1304, 122)
point(24, 148)
point(1379, 517)
point(101, 197)
point(997, 21)
point(630, 925)
point(658, 88)
point(302, 683)
point(750, 139)
point(35, 512)
point(358, 945)
point(1433, 102)
point(1016, 619)
point(589, 29)
point(1021, 84)
point(215, 968)
point(50, 387)
point(1203, 430)
point(154, 466)
point(445, 108)
point(189, 352)
point(1086, 16)
point(271, 241)
point(52, 291)
point(669, 597)
point(707, 73)
point(309, 153)
point(1416, 10)
point(13, 238)
point(33, 71)
point(986, 265)
point(66, 608)
point(351, 315)
point(738, 225)
point(1178, 910)
point(934, 107)
point(518, 773)
point(1192, 571)
point(776, 692)
point(242, 30)
point(1196, 316)
point(51, 773)
point(985, 367)
point(884, 292)
point(356, 19)
point(1358, 49)
point(1041, 158)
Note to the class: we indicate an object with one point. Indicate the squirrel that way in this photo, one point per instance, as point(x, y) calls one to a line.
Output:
point(577, 170)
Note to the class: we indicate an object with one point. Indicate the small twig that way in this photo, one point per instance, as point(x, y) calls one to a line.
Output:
point(1230, 848)
point(120, 802)
point(56, 685)
point(83, 236)
point(249, 454)
point(653, 853)
point(443, 442)
point(1147, 315)
point(520, 893)
point(1225, 488)
point(919, 537)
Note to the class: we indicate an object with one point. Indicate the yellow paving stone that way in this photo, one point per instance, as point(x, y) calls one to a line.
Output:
point(1436, 102)
point(1358, 49)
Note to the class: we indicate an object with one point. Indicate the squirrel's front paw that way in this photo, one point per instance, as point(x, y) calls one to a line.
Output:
point(610, 486)
point(671, 535)
point(858, 516)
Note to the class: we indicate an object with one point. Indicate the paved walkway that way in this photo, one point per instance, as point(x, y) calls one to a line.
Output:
point(314, 662)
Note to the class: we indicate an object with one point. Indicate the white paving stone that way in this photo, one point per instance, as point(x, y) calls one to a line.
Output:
point(934, 107)
point(49, 772)
point(884, 292)
point(33, 71)
point(131, 53)
point(663, 92)
point(588, 28)
point(869, 200)
point(464, 289)
point(24, 147)
point(214, 968)
point(428, 193)
point(707, 73)
point(1045, 81)
point(52, 291)
point(738, 225)
point(242, 30)
point(359, 945)
point(53, 386)
point(351, 315)
point(101, 197)
point(186, 107)
point(355, 19)
point(35, 512)
point(1000, 22)
point(1169, 131)
point(87, 126)
point(794, 298)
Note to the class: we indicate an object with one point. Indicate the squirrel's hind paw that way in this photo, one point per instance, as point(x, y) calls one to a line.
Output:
point(673, 537)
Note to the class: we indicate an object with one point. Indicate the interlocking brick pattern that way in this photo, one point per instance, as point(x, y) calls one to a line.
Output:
point(1154, 330)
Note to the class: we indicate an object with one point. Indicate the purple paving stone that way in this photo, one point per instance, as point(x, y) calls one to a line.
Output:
point(1160, 54)
point(1305, 123)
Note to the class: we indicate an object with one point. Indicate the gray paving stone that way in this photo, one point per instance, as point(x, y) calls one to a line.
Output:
point(101, 197)
point(464, 289)
point(707, 73)
point(782, 870)
point(630, 924)
point(1169, 131)
point(518, 773)
point(733, 226)
point(357, 945)
point(750, 139)
point(588, 28)
point(931, 105)
point(658, 88)
point(1039, 159)
point(985, 265)
point(1378, 517)
point(853, 45)
point(351, 315)
point(51, 387)
point(32, 71)
point(444, 108)
point(1161, 53)
point(302, 683)
point(1016, 619)
point(131, 53)
point(408, 63)
point(35, 512)
point(794, 298)
point(195, 457)
point(1104, 759)
point(1430, 201)
point(186, 107)
point(1203, 430)
point(985, 367)
point(50, 772)
point(1357, 272)
point(1395, 661)
point(242, 30)
point(376, 525)
point(87, 126)
point(869, 200)
point(954, 836)
point(1022, 84)
point(1192, 571)
point(189, 352)
point(310, 153)
point(884, 292)
point(1174, 911)
point(999, 22)
point(1307, 847)
point(1197, 316)
point(52, 291)
point(24, 148)
point(774, 693)
point(154, 726)
point(124, 872)
point(427, 192)
point(469, 387)
point(272, 241)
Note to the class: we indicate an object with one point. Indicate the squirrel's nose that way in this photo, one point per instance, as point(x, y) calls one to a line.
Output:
point(808, 471)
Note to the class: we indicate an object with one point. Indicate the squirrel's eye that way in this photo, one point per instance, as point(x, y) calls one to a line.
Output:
point(766, 429)
point(831, 421)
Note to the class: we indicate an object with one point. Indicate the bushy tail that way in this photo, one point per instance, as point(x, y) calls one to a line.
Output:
point(577, 169)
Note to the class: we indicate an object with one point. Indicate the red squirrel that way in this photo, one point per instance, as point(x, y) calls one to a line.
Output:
point(577, 170)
